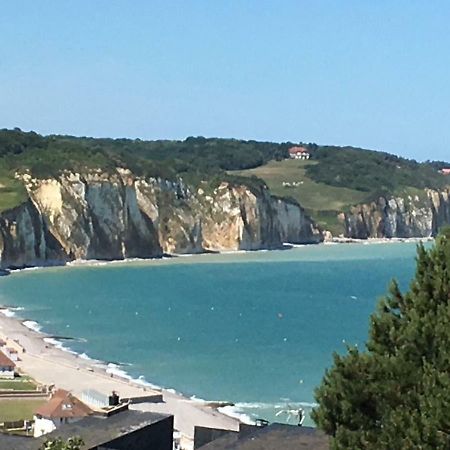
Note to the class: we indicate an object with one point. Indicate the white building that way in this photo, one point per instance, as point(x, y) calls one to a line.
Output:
point(7, 366)
point(62, 408)
point(299, 153)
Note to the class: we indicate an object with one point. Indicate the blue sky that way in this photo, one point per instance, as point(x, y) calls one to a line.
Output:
point(367, 73)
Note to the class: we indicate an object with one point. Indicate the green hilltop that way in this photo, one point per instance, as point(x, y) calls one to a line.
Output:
point(332, 180)
point(335, 178)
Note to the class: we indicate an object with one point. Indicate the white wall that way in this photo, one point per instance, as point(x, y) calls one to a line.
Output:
point(44, 426)
point(5, 373)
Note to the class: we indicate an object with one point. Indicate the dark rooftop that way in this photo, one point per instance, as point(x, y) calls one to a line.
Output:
point(98, 430)
point(273, 437)
point(93, 430)
point(8, 442)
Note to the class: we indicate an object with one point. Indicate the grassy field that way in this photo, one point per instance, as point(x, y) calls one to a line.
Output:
point(11, 410)
point(18, 384)
point(12, 192)
point(321, 201)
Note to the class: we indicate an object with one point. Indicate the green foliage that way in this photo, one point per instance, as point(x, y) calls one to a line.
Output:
point(395, 395)
point(73, 443)
point(12, 191)
point(196, 160)
point(254, 183)
point(445, 231)
point(16, 142)
point(47, 156)
point(333, 180)
point(376, 173)
point(438, 165)
point(209, 154)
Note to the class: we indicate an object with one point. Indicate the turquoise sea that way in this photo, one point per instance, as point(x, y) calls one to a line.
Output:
point(257, 329)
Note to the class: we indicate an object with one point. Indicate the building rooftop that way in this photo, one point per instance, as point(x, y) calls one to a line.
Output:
point(274, 436)
point(63, 404)
point(5, 361)
point(95, 431)
point(10, 442)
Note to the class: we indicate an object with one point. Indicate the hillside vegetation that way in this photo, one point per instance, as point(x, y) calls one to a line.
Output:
point(336, 178)
point(332, 180)
point(372, 172)
point(289, 178)
point(12, 191)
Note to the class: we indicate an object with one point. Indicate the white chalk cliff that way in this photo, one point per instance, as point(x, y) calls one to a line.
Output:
point(403, 217)
point(99, 215)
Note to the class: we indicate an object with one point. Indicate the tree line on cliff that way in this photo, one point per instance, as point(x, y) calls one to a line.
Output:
point(199, 158)
point(378, 173)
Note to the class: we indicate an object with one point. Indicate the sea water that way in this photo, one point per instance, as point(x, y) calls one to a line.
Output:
point(257, 329)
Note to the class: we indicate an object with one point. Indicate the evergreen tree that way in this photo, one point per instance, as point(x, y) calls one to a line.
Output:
point(396, 394)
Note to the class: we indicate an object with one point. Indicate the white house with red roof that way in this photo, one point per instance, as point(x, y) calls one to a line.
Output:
point(298, 152)
point(445, 171)
point(7, 366)
point(63, 407)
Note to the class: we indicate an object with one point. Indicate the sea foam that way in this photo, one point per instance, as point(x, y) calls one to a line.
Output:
point(235, 413)
point(7, 312)
point(114, 369)
point(32, 325)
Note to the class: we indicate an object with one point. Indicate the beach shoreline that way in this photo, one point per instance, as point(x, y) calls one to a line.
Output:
point(206, 256)
point(49, 363)
point(393, 240)
point(43, 348)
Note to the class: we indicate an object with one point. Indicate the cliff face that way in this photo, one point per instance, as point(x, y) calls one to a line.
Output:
point(399, 217)
point(116, 216)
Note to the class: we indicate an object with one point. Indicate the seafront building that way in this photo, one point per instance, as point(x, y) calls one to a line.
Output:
point(127, 430)
point(62, 408)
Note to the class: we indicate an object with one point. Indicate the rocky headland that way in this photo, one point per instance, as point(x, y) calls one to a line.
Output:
point(399, 217)
point(117, 215)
